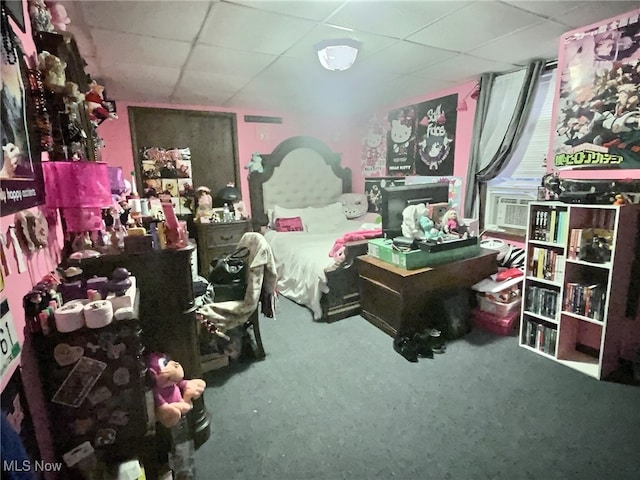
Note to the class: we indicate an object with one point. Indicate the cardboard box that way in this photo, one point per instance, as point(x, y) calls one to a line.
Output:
point(382, 248)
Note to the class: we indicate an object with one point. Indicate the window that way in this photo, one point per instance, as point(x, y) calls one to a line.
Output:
point(509, 194)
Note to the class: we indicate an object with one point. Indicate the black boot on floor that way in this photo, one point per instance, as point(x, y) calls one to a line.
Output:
point(406, 347)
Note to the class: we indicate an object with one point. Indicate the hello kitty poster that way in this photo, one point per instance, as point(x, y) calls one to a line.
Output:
point(374, 148)
point(435, 131)
point(401, 141)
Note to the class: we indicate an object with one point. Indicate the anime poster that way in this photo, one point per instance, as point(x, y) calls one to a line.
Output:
point(373, 189)
point(598, 108)
point(401, 141)
point(436, 128)
point(374, 147)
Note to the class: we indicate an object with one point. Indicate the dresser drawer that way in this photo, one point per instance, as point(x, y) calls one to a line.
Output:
point(216, 240)
point(226, 234)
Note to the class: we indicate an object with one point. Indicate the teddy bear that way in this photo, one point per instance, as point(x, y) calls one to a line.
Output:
point(172, 394)
point(428, 226)
point(255, 165)
point(96, 105)
point(411, 217)
point(53, 70)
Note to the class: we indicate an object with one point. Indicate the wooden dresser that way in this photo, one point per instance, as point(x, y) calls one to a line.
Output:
point(217, 239)
point(398, 300)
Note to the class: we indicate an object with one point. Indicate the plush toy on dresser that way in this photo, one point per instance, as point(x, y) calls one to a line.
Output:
point(172, 393)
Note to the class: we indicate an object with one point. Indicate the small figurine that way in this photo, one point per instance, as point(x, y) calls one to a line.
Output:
point(204, 205)
point(173, 394)
point(255, 165)
point(428, 226)
point(452, 226)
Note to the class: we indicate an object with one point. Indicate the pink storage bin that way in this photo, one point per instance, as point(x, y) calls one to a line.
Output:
point(504, 326)
point(499, 309)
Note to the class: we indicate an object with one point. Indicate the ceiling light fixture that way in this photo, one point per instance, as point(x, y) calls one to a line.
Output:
point(337, 54)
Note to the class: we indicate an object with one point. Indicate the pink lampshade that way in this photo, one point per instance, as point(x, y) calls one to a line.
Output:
point(80, 190)
point(77, 184)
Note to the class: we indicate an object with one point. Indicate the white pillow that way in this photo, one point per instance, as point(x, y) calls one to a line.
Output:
point(325, 219)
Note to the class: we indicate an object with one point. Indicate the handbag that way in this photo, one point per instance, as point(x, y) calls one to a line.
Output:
point(228, 275)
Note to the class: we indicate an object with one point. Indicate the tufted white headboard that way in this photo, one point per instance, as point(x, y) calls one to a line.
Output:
point(301, 172)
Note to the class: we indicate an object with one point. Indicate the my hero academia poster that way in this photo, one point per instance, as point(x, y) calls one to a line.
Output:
point(436, 127)
point(597, 103)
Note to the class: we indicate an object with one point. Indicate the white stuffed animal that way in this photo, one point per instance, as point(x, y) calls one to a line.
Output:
point(411, 221)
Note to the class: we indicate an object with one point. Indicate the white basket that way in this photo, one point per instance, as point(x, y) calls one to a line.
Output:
point(497, 308)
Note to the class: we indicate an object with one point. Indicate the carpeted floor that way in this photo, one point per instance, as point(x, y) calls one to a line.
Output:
point(334, 401)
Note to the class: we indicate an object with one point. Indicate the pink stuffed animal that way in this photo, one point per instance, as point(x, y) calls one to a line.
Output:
point(59, 17)
point(172, 393)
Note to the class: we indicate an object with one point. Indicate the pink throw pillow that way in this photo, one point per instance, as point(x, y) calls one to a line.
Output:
point(293, 224)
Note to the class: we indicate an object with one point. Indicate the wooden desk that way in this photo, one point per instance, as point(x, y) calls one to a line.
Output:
point(397, 300)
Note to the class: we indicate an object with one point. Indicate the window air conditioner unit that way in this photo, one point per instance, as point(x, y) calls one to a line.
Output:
point(512, 212)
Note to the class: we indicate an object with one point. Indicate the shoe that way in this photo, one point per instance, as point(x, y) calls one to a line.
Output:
point(406, 347)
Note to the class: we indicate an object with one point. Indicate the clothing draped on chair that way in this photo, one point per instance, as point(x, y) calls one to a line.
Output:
point(261, 287)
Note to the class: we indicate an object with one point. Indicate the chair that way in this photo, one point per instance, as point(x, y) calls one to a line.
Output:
point(261, 287)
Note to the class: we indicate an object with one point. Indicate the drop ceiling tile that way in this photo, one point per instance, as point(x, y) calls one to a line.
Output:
point(546, 8)
point(396, 19)
point(212, 82)
point(205, 58)
point(192, 96)
point(243, 28)
point(539, 41)
point(114, 47)
point(593, 12)
point(408, 86)
point(462, 68)
point(311, 10)
point(474, 25)
point(371, 43)
point(173, 20)
point(132, 81)
point(405, 57)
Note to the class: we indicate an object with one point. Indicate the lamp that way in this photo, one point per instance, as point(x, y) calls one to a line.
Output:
point(337, 54)
point(462, 104)
point(229, 194)
point(80, 190)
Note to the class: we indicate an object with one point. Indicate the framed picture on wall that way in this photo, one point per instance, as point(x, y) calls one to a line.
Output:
point(373, 189)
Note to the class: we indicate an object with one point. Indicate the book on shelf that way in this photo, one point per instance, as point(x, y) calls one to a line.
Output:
point(545, 263)
point(552, 225)
point(575, 240)
point(541, 337)
point(561, 229)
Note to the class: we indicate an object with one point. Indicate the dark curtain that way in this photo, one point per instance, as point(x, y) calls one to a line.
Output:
point(502, 157)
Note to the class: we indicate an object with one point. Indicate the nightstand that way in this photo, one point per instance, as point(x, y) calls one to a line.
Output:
point(217, 239)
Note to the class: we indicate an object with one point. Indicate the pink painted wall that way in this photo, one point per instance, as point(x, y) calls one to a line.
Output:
point(17, 284)
point(252, 137)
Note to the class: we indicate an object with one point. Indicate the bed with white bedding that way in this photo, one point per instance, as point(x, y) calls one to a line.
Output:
point(303, 178)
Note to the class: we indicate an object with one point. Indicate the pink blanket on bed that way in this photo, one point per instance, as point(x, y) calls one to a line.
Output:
point(338, 247)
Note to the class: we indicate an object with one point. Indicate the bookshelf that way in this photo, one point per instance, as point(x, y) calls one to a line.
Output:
point(580, 305)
